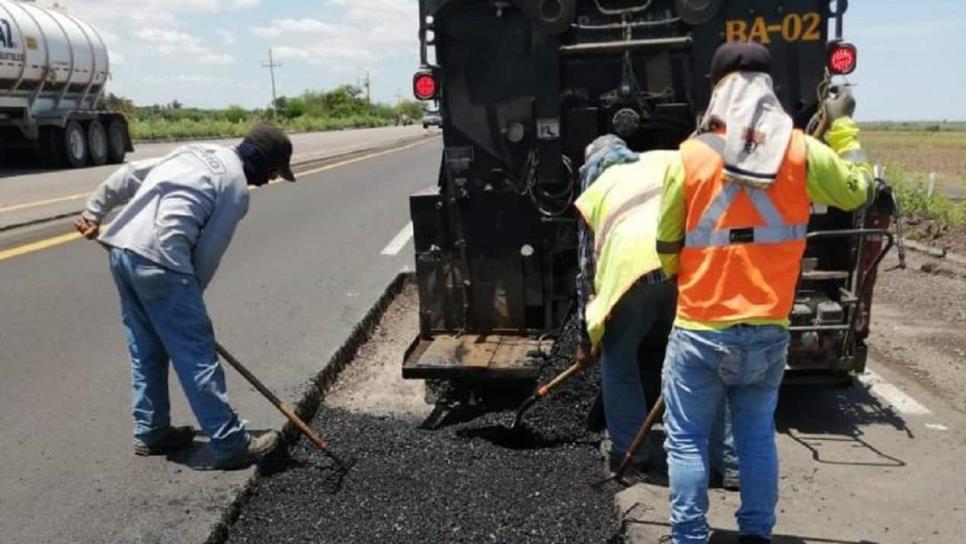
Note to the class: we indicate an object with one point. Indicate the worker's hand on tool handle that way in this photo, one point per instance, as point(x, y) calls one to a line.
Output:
point(87, 228)
point(840, 103)
point(586, 354)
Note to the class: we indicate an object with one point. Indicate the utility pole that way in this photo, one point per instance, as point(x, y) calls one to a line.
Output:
point(272, 65)
point(368, 85)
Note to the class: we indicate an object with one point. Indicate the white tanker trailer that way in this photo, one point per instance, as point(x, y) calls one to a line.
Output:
point(53, 69)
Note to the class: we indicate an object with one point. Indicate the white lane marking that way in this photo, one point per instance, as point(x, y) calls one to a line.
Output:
point(400, 241)
point(937, 426)
point(893, 395)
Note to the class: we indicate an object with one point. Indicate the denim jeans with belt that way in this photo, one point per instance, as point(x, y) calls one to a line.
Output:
point(644, 307)
point(742, 366)
point(164, 319)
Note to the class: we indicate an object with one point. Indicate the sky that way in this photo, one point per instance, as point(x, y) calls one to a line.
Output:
point(209, 53)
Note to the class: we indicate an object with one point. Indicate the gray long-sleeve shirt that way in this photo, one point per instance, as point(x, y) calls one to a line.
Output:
point(180, 211)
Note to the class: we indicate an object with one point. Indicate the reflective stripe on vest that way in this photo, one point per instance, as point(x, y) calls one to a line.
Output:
point(614, 217)
point(775, 231)
point(743, 245)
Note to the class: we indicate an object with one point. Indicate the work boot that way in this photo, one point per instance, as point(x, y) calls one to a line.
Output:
point(169, 440)
point(635, 472)
point(257, 449)
point(730, 480)
point(747, 539)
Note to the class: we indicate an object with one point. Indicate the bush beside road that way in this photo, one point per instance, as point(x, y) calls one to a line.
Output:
point(344, 107)
point(164, 130)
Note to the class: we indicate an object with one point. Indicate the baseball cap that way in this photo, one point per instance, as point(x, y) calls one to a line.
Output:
point(739, 57)
point(276, 146)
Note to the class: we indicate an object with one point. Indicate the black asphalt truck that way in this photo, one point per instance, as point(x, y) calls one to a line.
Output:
point(523, 86)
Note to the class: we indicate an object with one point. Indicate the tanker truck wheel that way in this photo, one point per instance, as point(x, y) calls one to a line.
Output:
point(97, 144)
point(116, 141)
point(72, 142)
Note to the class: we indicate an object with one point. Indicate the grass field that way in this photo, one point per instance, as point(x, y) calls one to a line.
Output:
point(918, 153)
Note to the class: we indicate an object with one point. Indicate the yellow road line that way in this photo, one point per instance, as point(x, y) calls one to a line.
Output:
point(28, 205)
point(70, 237)
point(37, 246)
point(362, 158)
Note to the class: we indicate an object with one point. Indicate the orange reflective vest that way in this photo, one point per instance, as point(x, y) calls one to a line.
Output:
point(743, 245)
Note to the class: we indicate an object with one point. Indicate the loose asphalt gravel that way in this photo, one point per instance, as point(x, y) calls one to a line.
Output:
point(473, 481)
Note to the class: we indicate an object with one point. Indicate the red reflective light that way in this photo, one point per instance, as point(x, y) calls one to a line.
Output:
point(424, 86)
point(842, 59)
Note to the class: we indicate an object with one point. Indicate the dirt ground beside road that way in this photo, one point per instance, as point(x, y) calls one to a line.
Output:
point(919, 324)
point(373, 384)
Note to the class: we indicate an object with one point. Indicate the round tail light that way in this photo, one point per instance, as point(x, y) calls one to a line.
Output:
point(842, 58)
point(425, 86)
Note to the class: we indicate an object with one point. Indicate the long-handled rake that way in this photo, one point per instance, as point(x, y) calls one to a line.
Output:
point(282, 407)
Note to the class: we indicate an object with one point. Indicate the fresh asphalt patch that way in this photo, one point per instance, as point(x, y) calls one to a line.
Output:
point(471, 480)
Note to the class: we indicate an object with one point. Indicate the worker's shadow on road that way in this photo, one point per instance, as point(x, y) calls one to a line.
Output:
point(731, 537)
point(639, 521)
point(831, 423)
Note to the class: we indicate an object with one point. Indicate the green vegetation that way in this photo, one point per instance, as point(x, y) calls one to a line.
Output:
point(913, 194)
point(916, 126)
point(341, 108)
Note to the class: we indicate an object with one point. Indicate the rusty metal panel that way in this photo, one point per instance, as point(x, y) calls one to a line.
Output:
point(472, 356)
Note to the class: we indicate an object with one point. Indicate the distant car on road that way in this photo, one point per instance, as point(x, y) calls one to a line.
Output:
point(432, 118)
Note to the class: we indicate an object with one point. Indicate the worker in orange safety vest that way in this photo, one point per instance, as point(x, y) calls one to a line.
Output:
point(734, 215)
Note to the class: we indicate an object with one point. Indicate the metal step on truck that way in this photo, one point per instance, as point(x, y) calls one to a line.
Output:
point(53, 70)
point(523, 87)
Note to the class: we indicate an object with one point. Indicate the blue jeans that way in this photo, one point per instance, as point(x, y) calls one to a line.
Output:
point(644, 307)
point(742, 366)
point(164, 319)
point(721, 444)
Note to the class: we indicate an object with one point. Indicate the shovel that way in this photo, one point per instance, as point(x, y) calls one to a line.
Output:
point(545, 389)
point(656, 411)
point(282, 407)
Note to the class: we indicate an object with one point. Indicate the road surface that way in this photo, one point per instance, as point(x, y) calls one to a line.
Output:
point(31, 194)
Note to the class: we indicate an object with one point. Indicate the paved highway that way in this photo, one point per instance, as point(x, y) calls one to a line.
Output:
point(30, 194)
point(305, 266)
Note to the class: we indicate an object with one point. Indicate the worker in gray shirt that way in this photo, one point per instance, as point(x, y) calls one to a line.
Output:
point(179, 214)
